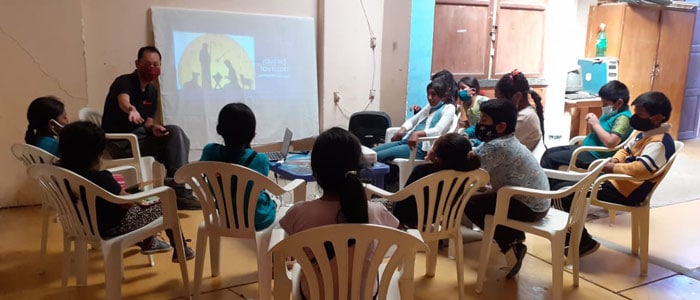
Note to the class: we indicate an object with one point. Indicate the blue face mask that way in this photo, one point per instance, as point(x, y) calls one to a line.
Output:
point(464, 95)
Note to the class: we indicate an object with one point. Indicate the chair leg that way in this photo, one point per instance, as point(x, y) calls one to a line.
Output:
point(457, 240)
point(66, 268)
point(199, 260)
point(182, 261)
point(611, 217)
point(431, 258)
point(112, 256)
point(81, 262)
point(45, 216)
point(485, 252)
point(264, 264)
point(558, 267)
point(643, 231)
point(151, 261)
point(215, 251)
point(635, 233)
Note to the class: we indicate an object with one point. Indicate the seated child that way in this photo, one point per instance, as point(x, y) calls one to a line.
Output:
point(81, 145)
point(612, 128)
point(449, 152)
point(237, 127)
point(641, 157)
point(42, 131)
point(336, 160)
point(530, 128)
point(508, 163)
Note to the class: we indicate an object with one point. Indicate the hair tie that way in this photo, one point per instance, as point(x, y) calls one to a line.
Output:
point(349, 173)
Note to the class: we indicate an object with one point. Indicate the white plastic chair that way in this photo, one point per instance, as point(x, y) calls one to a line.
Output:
point(444, 210)
point(212, 184)
point(553, 227)
point(32, 155)
point(66, 190)
point(89, 114)
point(370, 240)
point(640, 214)
point(406, 164)
point(142, 164)
point(579, 139)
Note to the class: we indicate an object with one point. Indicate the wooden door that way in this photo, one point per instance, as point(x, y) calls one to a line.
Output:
point(612, 15)
point(675, 38)
point(519, 37)
point(640, 38)
point(690, 114)
point(461, 41)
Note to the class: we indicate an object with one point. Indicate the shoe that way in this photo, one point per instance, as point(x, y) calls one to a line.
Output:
point(588, 245)
point(189, 253)
point(153, 245)
point(187, 201)
point(514, 259)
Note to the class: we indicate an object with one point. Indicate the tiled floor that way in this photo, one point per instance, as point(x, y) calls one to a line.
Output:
point(609, 273)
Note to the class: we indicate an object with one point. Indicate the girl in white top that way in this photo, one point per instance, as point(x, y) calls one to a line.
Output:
point(530, 127)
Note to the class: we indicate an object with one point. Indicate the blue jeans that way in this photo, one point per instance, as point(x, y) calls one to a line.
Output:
point(399, 149)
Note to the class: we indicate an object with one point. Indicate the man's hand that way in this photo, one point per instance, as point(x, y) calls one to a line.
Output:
point(135, 116)
point(159, 130)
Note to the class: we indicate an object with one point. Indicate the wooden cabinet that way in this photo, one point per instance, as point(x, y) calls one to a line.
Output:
point(652, 45)
point(489, 38)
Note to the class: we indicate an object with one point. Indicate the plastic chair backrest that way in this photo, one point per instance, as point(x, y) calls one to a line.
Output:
point(580, 201)
point(31, 155)
point(89, 114)
point(446, 194)
point(370, 243)
point(216, 183)
point(67, 191)
point(369, 126)
point(661, 173)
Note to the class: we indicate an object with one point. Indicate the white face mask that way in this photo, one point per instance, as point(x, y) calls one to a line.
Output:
point(608, 110)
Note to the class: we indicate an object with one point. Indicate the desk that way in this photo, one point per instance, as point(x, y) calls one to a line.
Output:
point(583, 106)
point(298, 166)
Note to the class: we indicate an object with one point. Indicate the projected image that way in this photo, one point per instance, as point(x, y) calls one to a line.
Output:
point(208, 61)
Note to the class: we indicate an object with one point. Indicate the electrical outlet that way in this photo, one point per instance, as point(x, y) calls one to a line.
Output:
point(336, 97)
point(371, 94)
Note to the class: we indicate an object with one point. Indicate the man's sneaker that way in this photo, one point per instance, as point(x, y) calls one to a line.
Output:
point(153, 245)
point(187, 201)
point(189, 254)
point(514, 259)
point(587, 246)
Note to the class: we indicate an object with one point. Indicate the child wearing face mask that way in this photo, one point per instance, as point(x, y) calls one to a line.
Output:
point(468, 94)
point(641, 157)
point(46, 115)
point(612, 128)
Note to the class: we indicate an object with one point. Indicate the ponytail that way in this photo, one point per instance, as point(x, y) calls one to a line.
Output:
point(30, 135)
point(353, 201)
point(539, 109)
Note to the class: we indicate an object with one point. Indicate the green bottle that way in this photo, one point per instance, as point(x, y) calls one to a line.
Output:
point(601, 43)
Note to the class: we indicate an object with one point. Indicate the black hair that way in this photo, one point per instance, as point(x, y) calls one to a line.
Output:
point(501, 110)
point(39, 113)
point(237, 127)
point(148, 49)
point(453, 152)
point(472, 82)
point(654, 103)
point(515, 82)
point(614, 90)
point(336, 160)
point(440, 89)
point(448, 79)
point(80, 145)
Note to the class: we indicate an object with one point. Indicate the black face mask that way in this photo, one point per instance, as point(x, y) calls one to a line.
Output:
point(641, 124)
point(484, 132)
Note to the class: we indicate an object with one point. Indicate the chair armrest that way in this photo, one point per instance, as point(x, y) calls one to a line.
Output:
point(161, 192)
point(390, 133)
point(577, 139)
point(564, 175)
point(278, 234)
point(294, 184)
point(395, 197)
point(579, 150)
point(133, 141)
